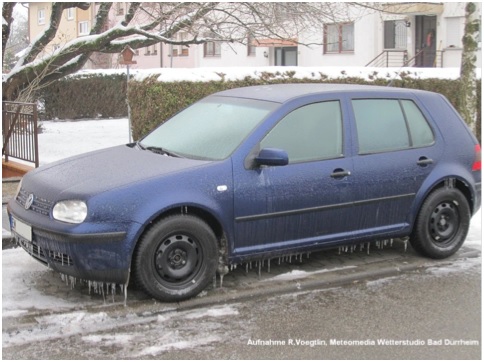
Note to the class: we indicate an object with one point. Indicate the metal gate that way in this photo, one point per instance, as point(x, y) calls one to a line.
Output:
point(19, 131)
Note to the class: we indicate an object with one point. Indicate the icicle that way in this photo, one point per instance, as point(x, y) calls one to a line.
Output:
point(339, 250)
point(221, 280)
point(269, 265)
point(126, 288)
point(246, 268)
point(368, 248)
point(102, 288)
point(259, 269)
point(113, 290)
point(405, 243)
point(391, 242)
point(215, 281)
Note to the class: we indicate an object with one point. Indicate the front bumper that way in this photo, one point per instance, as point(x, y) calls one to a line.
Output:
point(103, 255)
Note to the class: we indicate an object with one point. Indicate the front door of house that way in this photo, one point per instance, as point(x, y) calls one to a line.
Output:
point(425, 40)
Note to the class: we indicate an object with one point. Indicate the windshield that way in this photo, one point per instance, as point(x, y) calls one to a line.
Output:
point(210, 129)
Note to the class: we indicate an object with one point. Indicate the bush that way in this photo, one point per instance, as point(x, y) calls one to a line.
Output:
point(153, 102)
point(102, 95)
point(85, 96)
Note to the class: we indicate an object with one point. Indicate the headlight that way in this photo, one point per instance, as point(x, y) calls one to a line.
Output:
point(72, 211)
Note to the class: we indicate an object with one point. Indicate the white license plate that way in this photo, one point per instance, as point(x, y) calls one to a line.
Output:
point(22, 229)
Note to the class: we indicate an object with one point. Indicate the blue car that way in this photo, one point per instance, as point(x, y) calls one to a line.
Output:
point(256, 173)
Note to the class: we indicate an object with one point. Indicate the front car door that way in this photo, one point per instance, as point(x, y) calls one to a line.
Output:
point(306, 201)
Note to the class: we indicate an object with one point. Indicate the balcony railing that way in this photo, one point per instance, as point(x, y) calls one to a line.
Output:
point(399, 58)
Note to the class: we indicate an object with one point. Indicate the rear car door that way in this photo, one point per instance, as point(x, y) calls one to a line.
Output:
point(396, 151)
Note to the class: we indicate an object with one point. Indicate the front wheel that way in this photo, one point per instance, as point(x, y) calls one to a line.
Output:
point(176, 258)
point(442, 224)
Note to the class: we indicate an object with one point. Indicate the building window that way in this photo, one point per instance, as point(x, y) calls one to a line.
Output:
point(180, 50)
point(395, 34)
point(84, 28)
point(455, 27)
point(70, 14)
point(339, 38)
point(41, 16)
point(211, 49)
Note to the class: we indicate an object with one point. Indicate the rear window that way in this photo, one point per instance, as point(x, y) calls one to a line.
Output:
point(390, 124)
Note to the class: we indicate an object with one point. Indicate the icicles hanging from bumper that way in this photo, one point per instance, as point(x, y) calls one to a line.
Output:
point(96, 287)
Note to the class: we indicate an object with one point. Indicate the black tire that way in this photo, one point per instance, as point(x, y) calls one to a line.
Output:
point(176, 258)
point(442, 224)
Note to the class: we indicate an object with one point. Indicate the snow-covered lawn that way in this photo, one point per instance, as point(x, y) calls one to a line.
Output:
point(62, 139)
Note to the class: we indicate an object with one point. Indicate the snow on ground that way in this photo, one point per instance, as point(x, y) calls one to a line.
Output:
point(62, 139)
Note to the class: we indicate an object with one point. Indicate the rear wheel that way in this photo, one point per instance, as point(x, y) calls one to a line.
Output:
point(442, 224)
point(176, 258)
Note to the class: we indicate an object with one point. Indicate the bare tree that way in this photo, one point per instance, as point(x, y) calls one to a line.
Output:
point(468, 93)
point(146, 24)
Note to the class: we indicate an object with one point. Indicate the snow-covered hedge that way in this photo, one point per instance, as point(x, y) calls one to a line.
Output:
point(156, 95)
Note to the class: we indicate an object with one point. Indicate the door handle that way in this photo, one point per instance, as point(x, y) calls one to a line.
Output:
point(424, 161)
point(340, 173)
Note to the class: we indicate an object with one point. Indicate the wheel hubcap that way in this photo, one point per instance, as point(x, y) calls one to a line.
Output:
point(177, 258)
point(444, 222)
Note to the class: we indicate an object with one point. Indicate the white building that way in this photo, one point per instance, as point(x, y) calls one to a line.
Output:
point(410, 34)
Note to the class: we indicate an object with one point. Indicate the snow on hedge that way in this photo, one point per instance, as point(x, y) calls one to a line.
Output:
point(313, 73)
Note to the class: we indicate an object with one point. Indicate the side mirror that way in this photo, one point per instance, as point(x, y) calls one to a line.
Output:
point(272, 157)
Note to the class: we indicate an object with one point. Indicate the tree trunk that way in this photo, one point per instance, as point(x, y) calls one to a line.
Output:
point(468, 94)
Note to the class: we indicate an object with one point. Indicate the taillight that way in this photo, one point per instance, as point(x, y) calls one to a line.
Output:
point(476, 166)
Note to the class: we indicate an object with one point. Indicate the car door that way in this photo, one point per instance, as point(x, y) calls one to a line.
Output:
point(306, 201)
point(396, 152)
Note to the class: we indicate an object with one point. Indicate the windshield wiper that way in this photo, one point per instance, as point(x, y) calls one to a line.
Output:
point(160, 151)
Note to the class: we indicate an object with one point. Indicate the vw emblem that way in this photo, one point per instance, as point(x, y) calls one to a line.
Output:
point(29, 202)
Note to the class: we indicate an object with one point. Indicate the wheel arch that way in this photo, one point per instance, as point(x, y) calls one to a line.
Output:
point(450, 182)
point(194, 210)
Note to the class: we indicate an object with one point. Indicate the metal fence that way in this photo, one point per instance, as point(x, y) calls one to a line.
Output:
point(20, 132)
point(400, 58)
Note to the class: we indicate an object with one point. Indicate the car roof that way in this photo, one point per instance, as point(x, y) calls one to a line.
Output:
point(284, 92)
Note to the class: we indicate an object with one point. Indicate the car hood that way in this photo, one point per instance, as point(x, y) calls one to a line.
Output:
point(95, 172)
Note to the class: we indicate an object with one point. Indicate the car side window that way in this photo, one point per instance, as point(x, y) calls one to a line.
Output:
point(312, 132)
point(420, 132)
point(389, 125)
